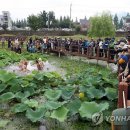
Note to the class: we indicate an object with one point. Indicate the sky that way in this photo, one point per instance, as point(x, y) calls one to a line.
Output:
point(20, 9)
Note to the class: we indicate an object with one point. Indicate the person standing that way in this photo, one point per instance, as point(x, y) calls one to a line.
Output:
point(3, 42)
point(9, 43)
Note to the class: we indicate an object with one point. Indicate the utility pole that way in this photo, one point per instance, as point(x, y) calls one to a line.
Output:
point(70, 14)
point(48, 21)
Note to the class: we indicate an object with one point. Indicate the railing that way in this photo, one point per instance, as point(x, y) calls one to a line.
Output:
point(89, 52)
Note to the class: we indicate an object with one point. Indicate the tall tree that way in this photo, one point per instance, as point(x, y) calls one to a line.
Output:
point(121, 23)
point(43, 19)
point(5, 26)
point(116, 21)
point(33, 22)
point(102, 26)
point(51, 18)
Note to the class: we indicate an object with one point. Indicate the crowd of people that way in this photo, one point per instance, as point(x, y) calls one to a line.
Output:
point(15, 45)
point(69, 44)
point(115, 47)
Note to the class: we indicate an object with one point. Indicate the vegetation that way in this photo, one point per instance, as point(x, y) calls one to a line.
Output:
point(9, 57)
point(102, 26)
point(47, 20)
point(48, 95)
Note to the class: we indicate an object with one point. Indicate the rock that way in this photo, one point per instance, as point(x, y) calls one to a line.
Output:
point(42, 125)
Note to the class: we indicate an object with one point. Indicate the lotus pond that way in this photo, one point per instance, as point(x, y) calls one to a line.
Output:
point(66, 97)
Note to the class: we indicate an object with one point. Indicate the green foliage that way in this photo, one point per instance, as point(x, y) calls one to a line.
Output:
point(102, 26)
point(20, 95)
point(2, 64)
point(5, 26)
point(20, 107)
point(52, 105)
point(35, 115)
point(33, 22)
point(74, 106)
point(8, 57)
point(53, 94)
point(6, 97)
point(34, 95)
point(2, 87)
point(67, 92)
point(78, 28)
point(111, 93)
point(20, 23)
point(87, 109)
point(3, 123)
point(116, 21)
point(31, 103)
point(95, 93)
point(60, 114)
point(121, 23)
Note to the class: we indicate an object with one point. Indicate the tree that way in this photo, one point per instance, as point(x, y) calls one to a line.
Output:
point(33, 22)
point(101, 26)
point(5, 26)
point(42, 19)
point(64, 22)
point(78, 28)
point(51, 19)
point(116, 21)
point(121, 23)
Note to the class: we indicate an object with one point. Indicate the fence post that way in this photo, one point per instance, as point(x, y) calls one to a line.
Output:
point(97, 55)
point(108, 55)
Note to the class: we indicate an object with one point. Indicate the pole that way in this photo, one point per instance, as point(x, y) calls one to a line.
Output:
point(48, 21)
point(70, 14)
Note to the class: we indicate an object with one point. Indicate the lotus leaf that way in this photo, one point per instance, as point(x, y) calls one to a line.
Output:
point(53, 94)
point(2, 64)
point(67, 92)
point(5, 76)
point(95, 93)
point(31, 103)
point(111, 93)
point(7, 96)
point(74, 106)
point(2, 87)
point(35, 115)
point(21, 95)
point(20, 107)
point(60, 114)
point(87, 109)
point(51, 105)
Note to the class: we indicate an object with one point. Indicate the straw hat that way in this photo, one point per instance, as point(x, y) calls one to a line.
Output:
point(40, 59)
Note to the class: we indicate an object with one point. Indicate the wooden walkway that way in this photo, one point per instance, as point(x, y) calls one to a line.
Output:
point(89, 53)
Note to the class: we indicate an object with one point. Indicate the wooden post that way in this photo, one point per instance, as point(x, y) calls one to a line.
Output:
point(108, 57)
point(59, 54)
point(78, 49)
point(97, 56)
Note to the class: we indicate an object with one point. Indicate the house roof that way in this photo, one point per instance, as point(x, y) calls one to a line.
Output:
point(83, 21)
point(127, 17)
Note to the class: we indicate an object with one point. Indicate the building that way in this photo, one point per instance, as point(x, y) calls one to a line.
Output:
point(126, 23)
point(5, 19)
point(84, 23)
